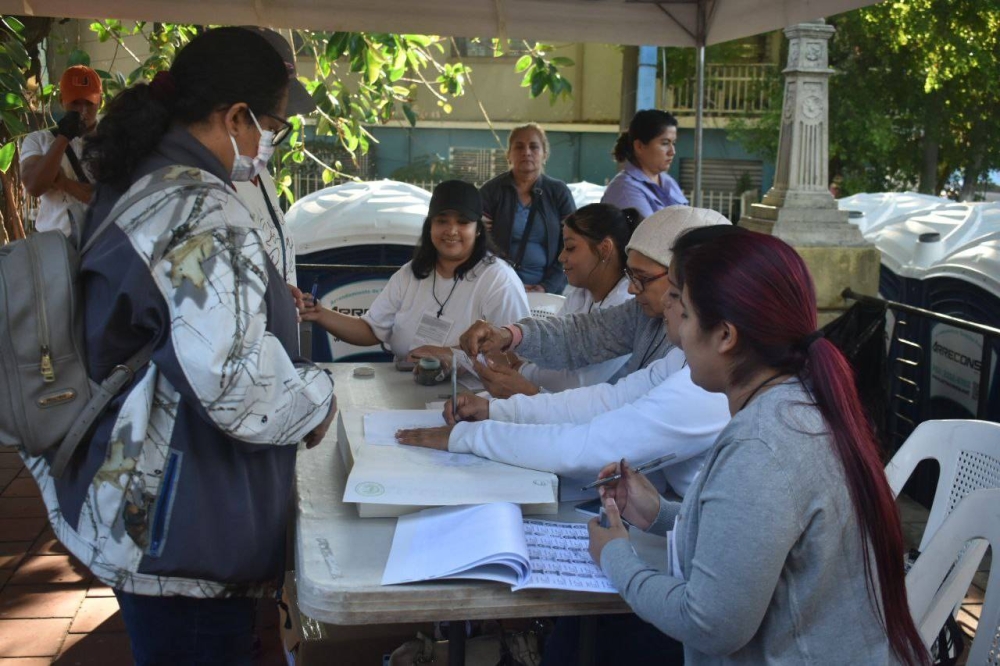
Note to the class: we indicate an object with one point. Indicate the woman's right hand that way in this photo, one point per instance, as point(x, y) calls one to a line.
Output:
point(470, 408)
point(637, 499)
point(310, 310)
point(483, 337)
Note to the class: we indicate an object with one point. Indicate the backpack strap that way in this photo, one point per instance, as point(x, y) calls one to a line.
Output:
point(122, 374)
point(105, 393)
point(74, 162)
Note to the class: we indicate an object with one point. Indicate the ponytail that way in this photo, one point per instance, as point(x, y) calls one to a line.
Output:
point(623, 148)
point(133, 125)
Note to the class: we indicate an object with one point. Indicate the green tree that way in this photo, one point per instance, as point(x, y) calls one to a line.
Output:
point(913, 99)
point(358, 80)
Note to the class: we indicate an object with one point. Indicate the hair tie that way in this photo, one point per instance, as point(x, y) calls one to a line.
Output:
point(163, 87)
point(807, 341)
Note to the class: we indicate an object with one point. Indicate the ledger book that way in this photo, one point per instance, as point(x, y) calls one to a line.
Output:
point(493, 542)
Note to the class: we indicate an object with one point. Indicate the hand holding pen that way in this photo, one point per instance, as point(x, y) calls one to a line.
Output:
point(637, 499)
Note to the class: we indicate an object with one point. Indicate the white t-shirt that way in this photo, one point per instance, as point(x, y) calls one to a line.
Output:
point(581, 301)
point(404, 315)
point(283, 257)
point(52, 205)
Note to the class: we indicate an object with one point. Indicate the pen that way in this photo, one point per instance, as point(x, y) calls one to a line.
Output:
point(454, 385)
point(651, 466)
point(315, 288)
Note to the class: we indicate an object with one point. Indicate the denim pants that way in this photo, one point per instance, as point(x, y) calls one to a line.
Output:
point(182, 631)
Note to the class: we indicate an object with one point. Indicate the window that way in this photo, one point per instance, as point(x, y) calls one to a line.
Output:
point(477, 165)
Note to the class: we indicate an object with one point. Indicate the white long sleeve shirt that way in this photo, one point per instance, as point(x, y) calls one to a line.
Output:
point(648, 414)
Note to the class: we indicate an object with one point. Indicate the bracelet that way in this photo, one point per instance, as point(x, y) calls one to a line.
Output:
point(516, 335)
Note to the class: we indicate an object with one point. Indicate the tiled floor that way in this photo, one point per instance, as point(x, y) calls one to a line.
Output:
point(52, 611)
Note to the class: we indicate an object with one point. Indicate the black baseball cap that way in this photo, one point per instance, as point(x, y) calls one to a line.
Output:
point(459, 196)
point(299, 100)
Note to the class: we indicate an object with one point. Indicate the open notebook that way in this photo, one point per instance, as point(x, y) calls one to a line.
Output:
point(493, 542)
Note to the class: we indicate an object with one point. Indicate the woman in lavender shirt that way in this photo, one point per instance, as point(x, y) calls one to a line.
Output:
point(647, 149)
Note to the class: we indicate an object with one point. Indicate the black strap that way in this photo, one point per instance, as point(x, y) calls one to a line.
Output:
point(277, 226)
point(527, 230)
point(74, 162)
point(103, 395)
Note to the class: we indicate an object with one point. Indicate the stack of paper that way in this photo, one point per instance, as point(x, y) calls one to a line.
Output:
point(388, 479)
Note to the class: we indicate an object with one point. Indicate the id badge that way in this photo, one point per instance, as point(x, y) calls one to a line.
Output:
point(673, 559)
point(432, 330)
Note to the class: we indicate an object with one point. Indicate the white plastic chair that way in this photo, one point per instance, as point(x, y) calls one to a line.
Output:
point(968, 453)
point(545, 305)
point(933, 584)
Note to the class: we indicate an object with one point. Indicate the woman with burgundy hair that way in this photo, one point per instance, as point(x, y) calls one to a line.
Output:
point(787, 548)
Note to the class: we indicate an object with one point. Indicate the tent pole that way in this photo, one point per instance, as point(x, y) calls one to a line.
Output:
point(699, 111)
point(698, 120)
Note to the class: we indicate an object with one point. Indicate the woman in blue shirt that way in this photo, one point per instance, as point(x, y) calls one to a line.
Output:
point(525, 209)
point(647, 149)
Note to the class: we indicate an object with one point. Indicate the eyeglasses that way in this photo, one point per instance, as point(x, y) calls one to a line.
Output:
point(282, 132)
point(640, 283)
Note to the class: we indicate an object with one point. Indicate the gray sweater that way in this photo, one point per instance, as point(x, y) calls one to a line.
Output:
point(579, 340)
point(769, 549)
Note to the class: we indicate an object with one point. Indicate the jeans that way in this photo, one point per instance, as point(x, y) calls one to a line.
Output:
point(183, 631)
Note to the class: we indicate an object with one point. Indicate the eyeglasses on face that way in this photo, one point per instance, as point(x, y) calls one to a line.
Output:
point(282, 132)
point(640, 282)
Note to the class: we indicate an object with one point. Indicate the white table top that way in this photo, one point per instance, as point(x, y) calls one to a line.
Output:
point(340, 557)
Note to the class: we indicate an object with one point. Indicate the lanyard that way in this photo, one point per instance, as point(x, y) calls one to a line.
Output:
point(434, 292)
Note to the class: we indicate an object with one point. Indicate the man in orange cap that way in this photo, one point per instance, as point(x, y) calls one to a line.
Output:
point(50, 158)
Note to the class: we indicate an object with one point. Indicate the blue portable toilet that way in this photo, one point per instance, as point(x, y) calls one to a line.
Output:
point(373, 224)
point(965, 283)
point(911, 232)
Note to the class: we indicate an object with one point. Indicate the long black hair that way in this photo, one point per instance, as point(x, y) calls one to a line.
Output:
point(425, 255)
point(598, 221)
point(646, 125)
point(215, 70)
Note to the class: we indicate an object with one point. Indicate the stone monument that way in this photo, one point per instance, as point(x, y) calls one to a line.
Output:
point(799, 208)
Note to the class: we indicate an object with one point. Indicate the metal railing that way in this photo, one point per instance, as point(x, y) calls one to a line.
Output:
point(912, 353)
point(729, 90)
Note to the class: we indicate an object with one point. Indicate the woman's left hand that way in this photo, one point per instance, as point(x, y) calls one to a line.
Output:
point(442, 354)
point(503, 381)
point(601, 536)
point(429, 438)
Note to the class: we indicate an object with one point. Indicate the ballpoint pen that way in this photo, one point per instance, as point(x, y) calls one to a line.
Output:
point(454, 385)
point(315, 289)
point(651, 466)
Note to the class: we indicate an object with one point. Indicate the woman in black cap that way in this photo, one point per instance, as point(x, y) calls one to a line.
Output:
point(453, 280)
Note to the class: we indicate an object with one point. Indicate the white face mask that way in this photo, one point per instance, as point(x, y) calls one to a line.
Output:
point(245, 167)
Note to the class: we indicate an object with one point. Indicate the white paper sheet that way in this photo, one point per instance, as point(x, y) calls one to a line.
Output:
point(381, 427)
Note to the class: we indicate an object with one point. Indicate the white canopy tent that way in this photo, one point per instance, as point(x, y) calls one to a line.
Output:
point(653, 22)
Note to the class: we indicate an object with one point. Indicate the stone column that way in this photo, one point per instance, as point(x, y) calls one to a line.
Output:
point(799, 208)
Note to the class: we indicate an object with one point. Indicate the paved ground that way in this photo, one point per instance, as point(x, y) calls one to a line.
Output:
point(52, 611)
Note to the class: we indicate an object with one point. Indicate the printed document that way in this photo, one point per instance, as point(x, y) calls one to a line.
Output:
point(493, 542)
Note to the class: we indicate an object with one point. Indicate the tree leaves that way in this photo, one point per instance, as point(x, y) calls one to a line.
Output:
point(7, 156)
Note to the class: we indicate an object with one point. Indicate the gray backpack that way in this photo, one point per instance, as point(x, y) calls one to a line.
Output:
point(47, 400)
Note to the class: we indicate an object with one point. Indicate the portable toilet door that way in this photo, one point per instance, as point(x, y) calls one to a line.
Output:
point(368, 230)
point(965, 284)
